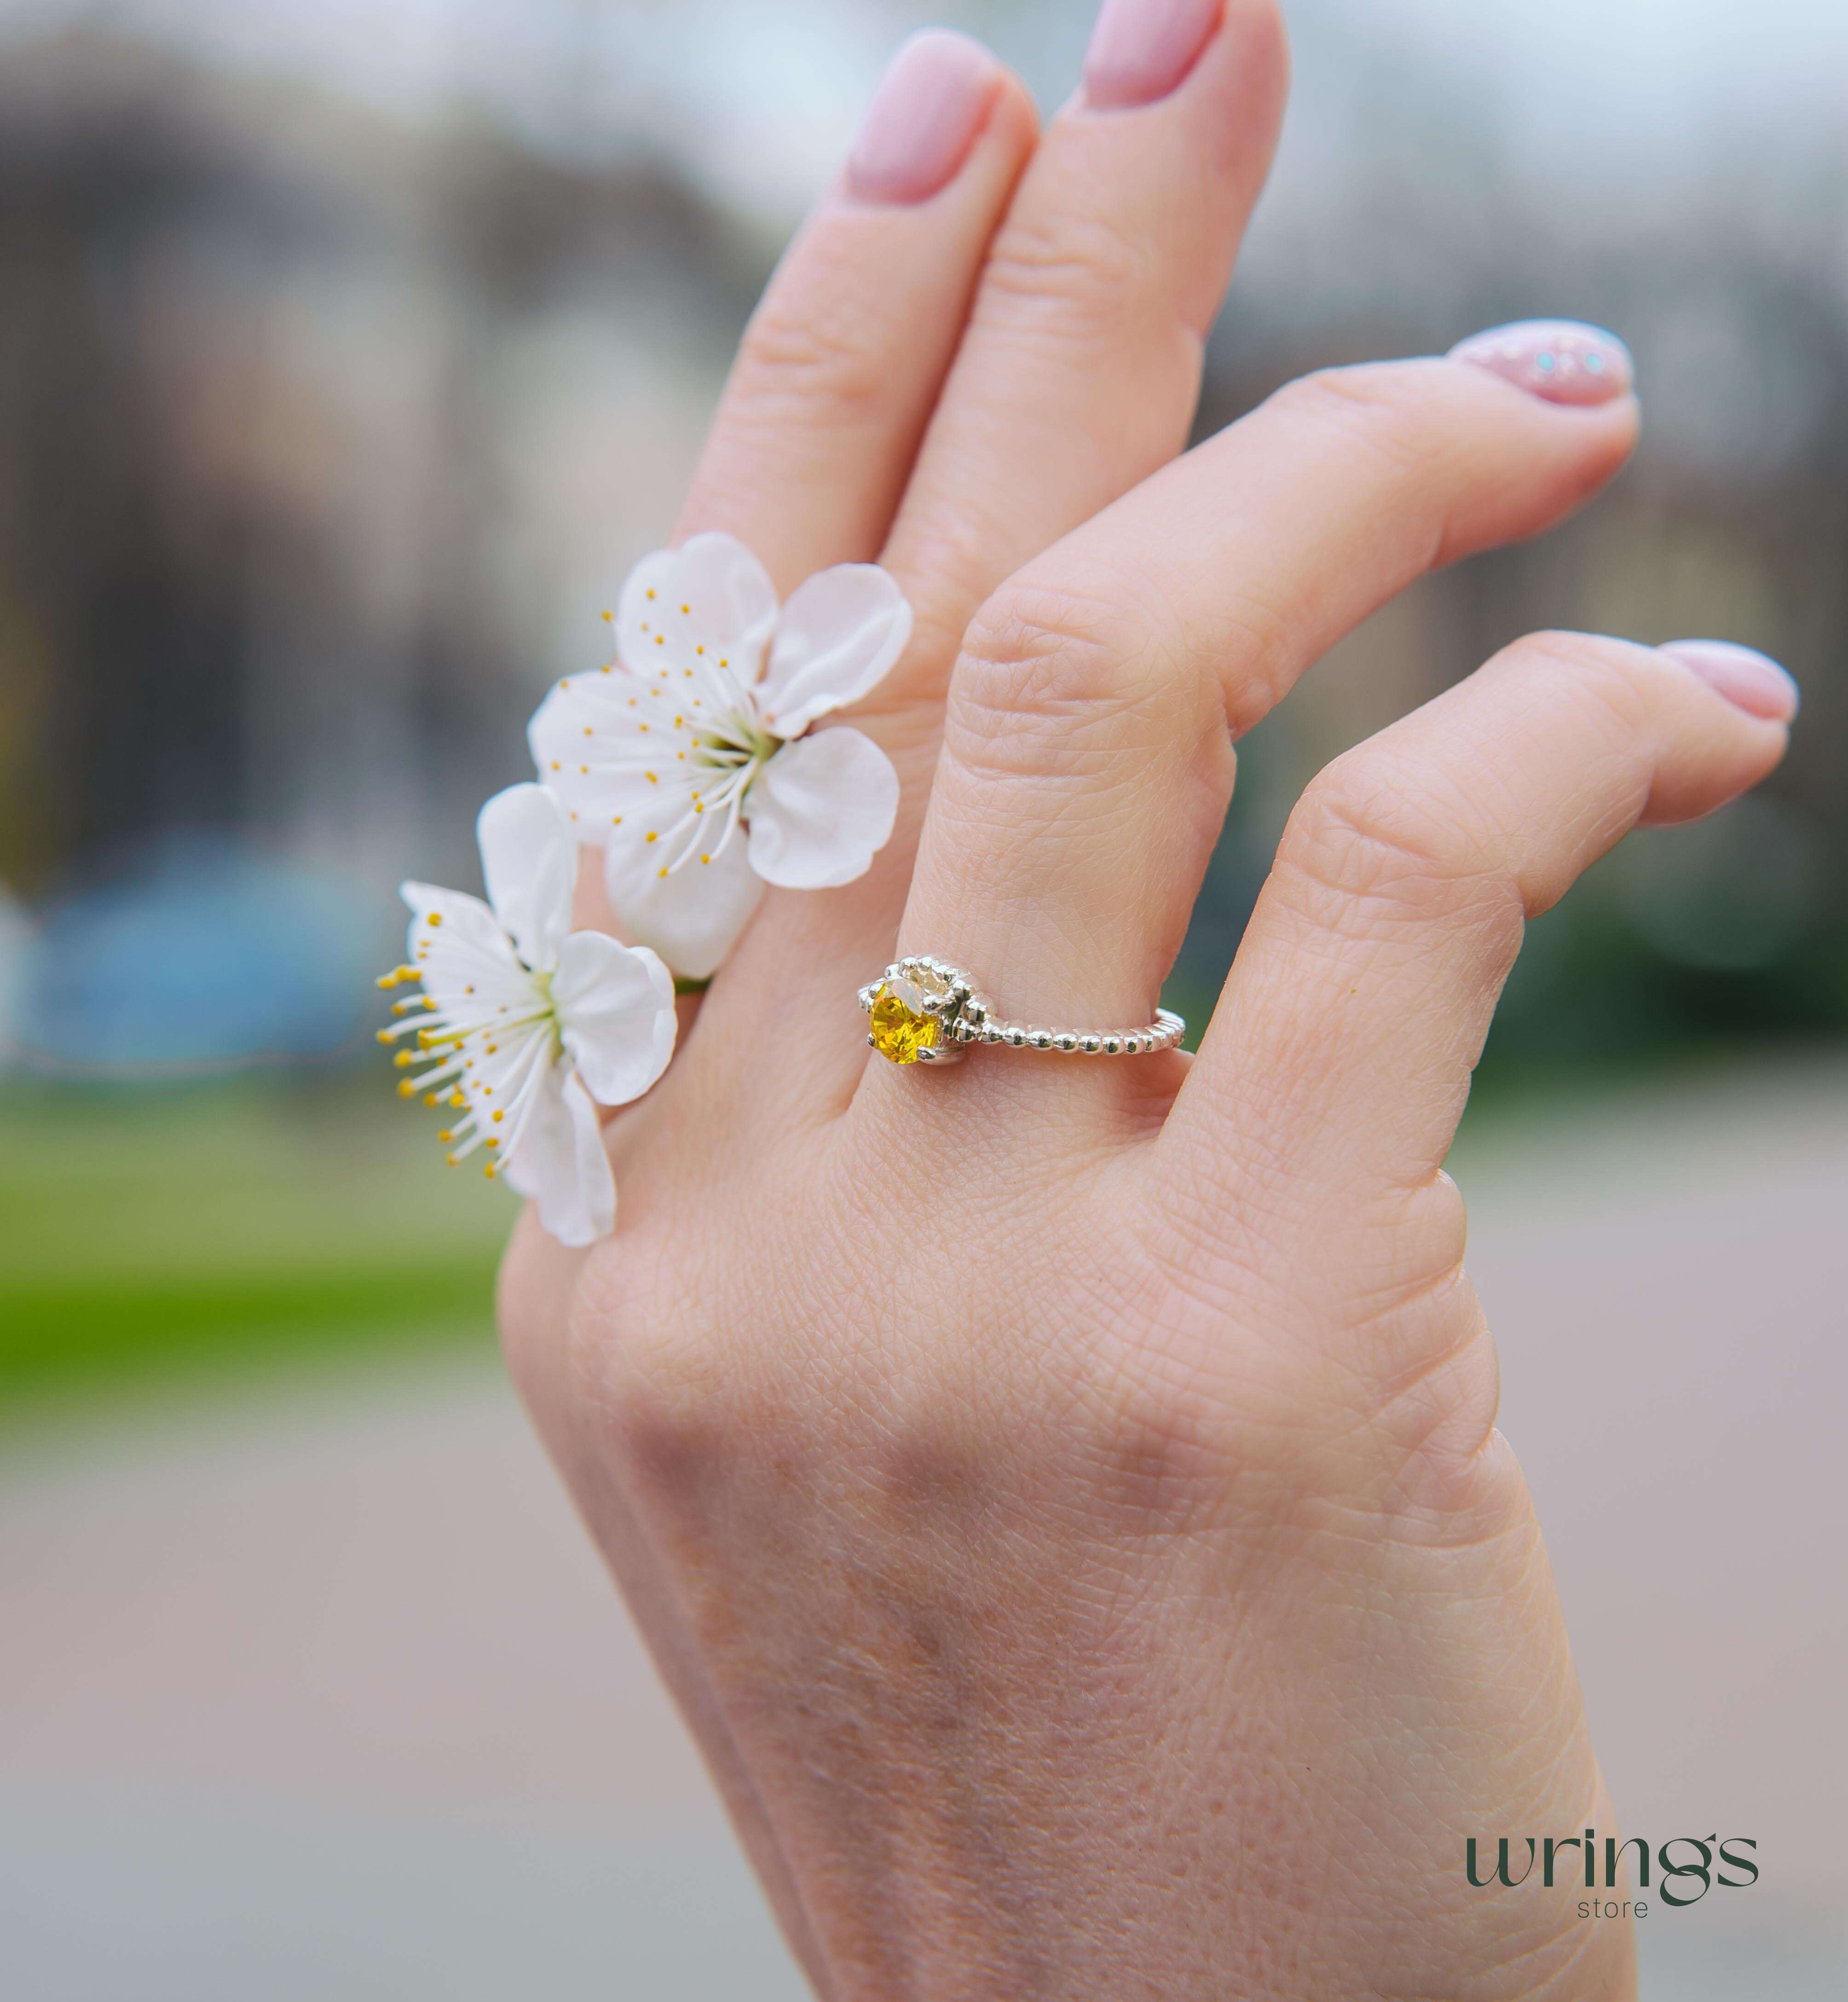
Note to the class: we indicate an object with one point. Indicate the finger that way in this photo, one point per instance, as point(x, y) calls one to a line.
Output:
point(842, 361)
point(1343, 1044)
point(1080, 370)
point(1087, 756)
point(1078, 375)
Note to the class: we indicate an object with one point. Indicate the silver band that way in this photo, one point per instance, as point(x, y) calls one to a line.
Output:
point(926, 1010)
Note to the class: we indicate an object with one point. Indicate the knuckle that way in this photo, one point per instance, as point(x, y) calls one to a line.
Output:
point(1377, 405)
point(1609, 675)
point(1384, 420)
point(825, 357)
point(1363, 835)
point(656, 1373)
point(1058, 270)
point(1047, 669)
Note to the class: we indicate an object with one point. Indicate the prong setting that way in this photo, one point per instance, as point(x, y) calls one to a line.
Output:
point(937, 1012)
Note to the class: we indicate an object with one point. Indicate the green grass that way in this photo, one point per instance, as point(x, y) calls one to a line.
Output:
point(245, 1224)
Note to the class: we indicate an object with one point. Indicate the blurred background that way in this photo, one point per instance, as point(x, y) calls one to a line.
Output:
point(350, 353)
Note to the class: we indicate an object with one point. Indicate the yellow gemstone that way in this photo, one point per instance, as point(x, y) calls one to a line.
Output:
point(901, 1028)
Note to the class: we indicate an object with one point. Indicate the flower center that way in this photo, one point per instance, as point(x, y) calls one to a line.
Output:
point(737, 740)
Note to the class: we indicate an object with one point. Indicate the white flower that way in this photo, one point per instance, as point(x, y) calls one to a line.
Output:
point(523, 1022)
point(686, 758)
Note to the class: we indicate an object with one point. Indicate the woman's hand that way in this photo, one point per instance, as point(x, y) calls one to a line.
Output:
point(1063, 1494)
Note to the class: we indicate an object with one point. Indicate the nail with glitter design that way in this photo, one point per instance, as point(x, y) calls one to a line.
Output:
point(1558, 360)
point(1749, 680)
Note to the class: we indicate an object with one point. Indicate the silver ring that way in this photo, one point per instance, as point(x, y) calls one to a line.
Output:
point(925, 1010)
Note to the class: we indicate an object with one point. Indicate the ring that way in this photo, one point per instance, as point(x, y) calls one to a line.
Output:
point(925, 1010)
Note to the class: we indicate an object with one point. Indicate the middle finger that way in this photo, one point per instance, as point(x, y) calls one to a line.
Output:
point(1077, 376)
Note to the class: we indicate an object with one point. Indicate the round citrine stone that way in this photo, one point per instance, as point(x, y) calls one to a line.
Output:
point(901, 1028)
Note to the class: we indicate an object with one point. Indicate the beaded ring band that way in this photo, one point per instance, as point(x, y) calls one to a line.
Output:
point(926, 1010)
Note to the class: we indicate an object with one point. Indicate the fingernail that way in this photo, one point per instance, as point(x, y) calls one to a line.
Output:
point(923, 119)
point(1142, 49)
point(1558, 360)
point(1749, 680)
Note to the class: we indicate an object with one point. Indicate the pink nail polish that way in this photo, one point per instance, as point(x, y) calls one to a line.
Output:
point(1749, 680)
point(1558, 360)
point(1141, 49)
point(923, 119)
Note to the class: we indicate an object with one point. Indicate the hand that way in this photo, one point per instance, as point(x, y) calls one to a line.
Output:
point(1062, 1493)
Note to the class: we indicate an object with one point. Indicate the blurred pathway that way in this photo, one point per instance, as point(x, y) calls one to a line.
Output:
point(324, 1694)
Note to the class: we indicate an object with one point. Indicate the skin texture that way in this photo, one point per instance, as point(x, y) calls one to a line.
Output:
point(1063, 1496)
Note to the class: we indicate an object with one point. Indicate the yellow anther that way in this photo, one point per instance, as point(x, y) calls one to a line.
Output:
point(499, 1113)
point(446, 1135)
point(651, 594)
point(491, 1141)
point(489, 1171)
point(457, 1100)
point(407, 1087)
point(555, 764)
point(664, 872)
point(430, 1098)
point(435, 918)
point(589, 730)
point(453, 1161)
point(652, 778)
point(653, 834)
point(429, 1002)
point(384, 1035)
point(705, 858)
point(404, 1060)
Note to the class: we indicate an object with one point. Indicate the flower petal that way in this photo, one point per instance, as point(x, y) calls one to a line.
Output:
point(821, 810)
point(838, 637)
point(529, 862)
point(582, 737)
point(615, 1015)
point(712, 593)
point(465, 958)
point(561, 1163)
point(692, 918)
